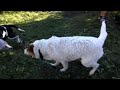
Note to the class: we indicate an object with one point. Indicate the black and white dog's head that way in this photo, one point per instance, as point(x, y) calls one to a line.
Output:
point(7, 33)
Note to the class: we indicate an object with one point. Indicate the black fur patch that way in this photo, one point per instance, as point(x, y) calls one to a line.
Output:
point(41, 56)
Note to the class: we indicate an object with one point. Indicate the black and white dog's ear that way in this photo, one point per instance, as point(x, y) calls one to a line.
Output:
point(3, 34)
point(8, 46)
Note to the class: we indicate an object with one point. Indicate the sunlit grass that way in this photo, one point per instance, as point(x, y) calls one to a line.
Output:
point(20, 17)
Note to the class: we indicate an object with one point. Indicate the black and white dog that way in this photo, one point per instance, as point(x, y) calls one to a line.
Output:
point(6, 32)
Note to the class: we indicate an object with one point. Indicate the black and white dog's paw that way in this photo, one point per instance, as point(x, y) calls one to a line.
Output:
point(8, 47)
point(21, 30)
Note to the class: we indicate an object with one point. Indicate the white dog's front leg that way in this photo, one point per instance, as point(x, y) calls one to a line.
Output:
point(65, 66)
point(55, 64)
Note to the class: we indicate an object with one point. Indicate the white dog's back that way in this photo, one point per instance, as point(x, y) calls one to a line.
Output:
point(72, 48)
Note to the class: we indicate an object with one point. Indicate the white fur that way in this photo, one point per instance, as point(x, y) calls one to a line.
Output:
point(16, 38)
point(4, 45)
point(5, 33)
point(25, 51)
point(66, 49)
point(21, 30)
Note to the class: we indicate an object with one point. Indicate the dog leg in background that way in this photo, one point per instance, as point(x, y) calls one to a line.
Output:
point(55, 64)
point(21, 30)
point(65, 66)
point(16, 38)
point(4, 45)
point(17, 28)
point(8, 46)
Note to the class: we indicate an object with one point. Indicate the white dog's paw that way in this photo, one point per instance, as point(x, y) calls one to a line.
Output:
point(91, 72)
point(52, 64)
point(55, 64)
point(62, 70)
point(94, 69)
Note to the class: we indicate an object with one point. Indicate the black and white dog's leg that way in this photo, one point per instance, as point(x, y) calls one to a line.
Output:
point(8, 46)
point(17, 39)
point(21, 30)
point(16, 28)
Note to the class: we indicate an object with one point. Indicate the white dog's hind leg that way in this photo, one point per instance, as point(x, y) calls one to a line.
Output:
point(95, 67)
point(55, 64)
point(87, 62)
point(65, 66)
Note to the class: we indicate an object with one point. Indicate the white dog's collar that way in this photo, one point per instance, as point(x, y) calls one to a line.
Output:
point(41, 56)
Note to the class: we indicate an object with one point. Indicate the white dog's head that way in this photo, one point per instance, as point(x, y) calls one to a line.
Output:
point(30, 51)
point(33, 50)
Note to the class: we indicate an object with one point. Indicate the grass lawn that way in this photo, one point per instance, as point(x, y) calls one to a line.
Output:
point(15, 65)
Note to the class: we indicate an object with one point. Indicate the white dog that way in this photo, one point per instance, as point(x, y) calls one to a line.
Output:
point(66, 49)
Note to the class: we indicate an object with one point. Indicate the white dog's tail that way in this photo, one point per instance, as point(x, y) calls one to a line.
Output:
point(103, 33)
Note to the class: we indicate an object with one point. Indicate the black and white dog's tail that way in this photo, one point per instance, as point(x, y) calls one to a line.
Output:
point(14, 27)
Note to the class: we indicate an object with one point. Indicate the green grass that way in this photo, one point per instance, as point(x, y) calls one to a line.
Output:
point(15, 65)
